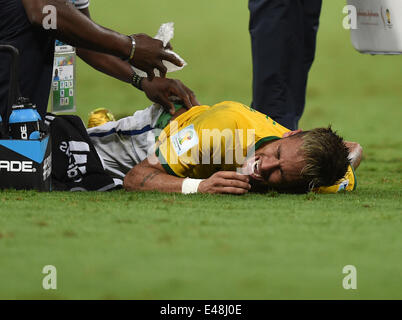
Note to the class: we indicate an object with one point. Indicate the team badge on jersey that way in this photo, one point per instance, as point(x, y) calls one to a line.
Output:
point(184, 140)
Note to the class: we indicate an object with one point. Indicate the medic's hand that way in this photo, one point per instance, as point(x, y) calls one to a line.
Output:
point(149, 54)
point(225, 182)
point(160, 89)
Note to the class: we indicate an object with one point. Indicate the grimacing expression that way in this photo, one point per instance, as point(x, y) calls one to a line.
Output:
point(277, 164)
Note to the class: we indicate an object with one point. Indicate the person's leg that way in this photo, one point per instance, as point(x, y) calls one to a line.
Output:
point(276, 29)
point(311, 17)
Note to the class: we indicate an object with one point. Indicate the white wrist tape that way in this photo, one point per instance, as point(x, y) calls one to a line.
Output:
point(190, 185)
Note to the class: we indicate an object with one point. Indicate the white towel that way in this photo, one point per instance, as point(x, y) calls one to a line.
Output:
point(165, 34)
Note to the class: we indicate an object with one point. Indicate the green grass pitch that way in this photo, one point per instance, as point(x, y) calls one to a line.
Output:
point(165, 246)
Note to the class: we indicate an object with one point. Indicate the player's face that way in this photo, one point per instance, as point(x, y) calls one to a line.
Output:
point(278, 164)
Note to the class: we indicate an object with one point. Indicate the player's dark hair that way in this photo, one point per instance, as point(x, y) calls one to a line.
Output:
point(326, 157)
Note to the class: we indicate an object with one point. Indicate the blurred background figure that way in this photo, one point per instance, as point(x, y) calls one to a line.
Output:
point(283, 39)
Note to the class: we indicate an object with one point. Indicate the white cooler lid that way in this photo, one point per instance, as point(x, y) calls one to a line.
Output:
point(379, 26)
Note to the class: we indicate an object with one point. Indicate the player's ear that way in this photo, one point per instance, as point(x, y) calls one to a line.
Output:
point(291, 133)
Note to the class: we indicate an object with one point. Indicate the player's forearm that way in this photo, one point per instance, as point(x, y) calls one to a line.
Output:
point(77, 29)
point(107, 64)
point(147, 178)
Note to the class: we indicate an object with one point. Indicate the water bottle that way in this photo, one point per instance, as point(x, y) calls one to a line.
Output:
point(2, 131)
point(24, 122)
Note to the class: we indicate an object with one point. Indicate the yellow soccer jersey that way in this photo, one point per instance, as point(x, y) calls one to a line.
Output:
point(205, 139)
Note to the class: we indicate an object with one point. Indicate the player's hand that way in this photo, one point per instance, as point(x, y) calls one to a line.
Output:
point(355, 153)
point(160, 89)
point(149, 54)
point(225, 182)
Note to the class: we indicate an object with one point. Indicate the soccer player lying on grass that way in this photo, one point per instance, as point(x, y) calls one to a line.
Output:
point(226, 148)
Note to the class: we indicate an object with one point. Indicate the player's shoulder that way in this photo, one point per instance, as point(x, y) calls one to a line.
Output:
point(235, 110)
point(232, 104)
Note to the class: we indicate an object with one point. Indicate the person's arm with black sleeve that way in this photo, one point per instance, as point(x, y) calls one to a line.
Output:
point(75, 28)
point(158, 90)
